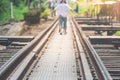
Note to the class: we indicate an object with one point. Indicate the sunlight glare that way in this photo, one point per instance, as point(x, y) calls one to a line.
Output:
point(73, 0)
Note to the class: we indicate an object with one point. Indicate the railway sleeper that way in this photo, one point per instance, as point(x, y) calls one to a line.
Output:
point(107, 40)
point(114, 72)
point(109, 57)
point(6, 54)
point(106, 49)
point(103, 46)
point(19, 43)
point(108, 54)
point(116, 77)
point(14, 47)
point(6, 51)
point(2, 60)
point(111, 50)
point(4, 41)
point(114, 66)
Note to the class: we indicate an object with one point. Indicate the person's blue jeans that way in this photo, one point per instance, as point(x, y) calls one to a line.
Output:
point(63, 22)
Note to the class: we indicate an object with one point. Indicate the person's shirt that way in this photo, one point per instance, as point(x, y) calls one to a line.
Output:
point(62, 9)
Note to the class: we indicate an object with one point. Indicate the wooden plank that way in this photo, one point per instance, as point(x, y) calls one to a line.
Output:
point(105, 39)
point(94, 22)
point(98, 28)
point(17, 38)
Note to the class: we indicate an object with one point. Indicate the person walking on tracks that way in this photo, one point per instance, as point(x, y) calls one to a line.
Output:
point(62, 12)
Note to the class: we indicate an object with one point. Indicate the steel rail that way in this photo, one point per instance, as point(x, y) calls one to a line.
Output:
point(99, 67)
point(84, 64)
point(12, 63)
point(20, 72)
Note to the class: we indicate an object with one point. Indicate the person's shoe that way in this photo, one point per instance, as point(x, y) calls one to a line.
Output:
point(60, 29)
point(65, 31)
point(60, 33)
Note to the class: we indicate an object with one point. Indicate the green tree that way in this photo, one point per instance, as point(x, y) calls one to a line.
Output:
point(4, 10)
point(4, 5)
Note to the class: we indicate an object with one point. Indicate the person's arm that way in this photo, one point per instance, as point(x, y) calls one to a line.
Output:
point(71, 10)
point(56, 8)
point(53, 11)
point(76, 14)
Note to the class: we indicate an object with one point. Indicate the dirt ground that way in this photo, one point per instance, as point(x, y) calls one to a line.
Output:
point(21, 29)
point(35, 29)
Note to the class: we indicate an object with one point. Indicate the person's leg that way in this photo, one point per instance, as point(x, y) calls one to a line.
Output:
point(60, 23)
point(65, 24)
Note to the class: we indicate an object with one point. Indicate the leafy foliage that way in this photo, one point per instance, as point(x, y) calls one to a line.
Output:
point(117, 33)
point(19, 8)
point(45, 14)
point(15, 2)
point(18, 12)
point(4, 10)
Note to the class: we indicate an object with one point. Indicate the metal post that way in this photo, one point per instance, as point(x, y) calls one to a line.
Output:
point(11, 10)
point(28, 3)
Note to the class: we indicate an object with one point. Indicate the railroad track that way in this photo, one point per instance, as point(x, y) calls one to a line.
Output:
point(74, 56)
point(110, 56)
point(9, 45)
point(23, 57)
point(106, 48)
point(95, 66)
point(55, 65)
